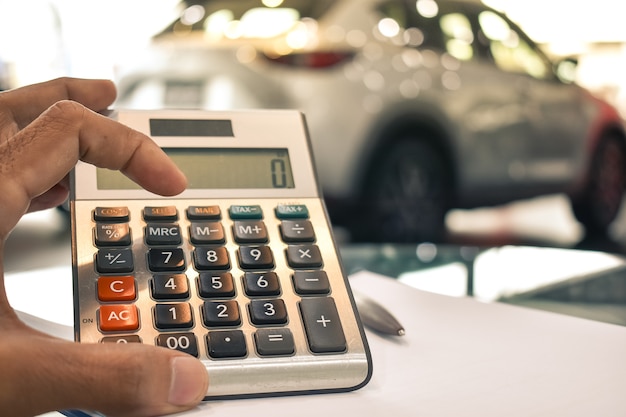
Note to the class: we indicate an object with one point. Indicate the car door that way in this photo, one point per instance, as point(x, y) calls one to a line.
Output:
point(553, 110)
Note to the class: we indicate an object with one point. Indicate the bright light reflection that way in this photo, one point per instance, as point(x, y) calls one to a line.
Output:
point(192, 15)
point(427, 8)
point(272, 3)
point(388, 27)
point(218, 22)
point(494, 27)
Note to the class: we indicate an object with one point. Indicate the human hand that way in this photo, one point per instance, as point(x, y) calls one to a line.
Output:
point(44, 130)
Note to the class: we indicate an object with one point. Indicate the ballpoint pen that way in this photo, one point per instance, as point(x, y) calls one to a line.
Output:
point(377, 317)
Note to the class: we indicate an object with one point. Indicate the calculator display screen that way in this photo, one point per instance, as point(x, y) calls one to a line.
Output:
point(211, 168)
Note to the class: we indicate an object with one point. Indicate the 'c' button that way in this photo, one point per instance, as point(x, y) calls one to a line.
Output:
point(119, 288)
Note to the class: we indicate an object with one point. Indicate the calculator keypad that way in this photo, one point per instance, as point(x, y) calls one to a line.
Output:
point(205, 294)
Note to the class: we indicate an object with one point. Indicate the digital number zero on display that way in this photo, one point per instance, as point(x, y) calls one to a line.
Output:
point(213, 168)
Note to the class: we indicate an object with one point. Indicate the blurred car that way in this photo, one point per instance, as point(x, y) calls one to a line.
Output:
point(414, 107)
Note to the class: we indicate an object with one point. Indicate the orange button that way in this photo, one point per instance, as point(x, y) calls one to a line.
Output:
point(115, 318)
point(120, 288)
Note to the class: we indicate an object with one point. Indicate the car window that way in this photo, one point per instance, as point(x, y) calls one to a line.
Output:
point(250, 18)
point(420, 29)
point(509, 50)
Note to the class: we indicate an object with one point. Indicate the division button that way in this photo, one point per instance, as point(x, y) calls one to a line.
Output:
point(297, 231)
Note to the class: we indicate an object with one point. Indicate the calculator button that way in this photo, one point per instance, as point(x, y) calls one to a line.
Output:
point(261, 283)
point(119, 214)
point(112, 234)
point(183, 342)
point(211, 258)
point(322, 325)
point(170, 259)
point(120, 288)
point(206, 233)
point(114, 260)
point(204, 213)
point(121, 339)
point(172, 316)
point(162, 234)
point(221, 313)
point(237, 212)
point(291, 211)
point(267, 312)
point(118, 317)
point(304, 256)
point(311, 282)
point(160, 213)
point(249, 231)
point(273, 342)
point(226, 344)
point(255, 257)
point(169, 286)
point(297, 231)
point(216, 285)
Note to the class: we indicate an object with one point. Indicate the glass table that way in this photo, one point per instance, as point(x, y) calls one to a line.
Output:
point(585, 284)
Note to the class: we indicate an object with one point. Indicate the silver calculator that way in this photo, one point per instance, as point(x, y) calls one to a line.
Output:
point(240, 270)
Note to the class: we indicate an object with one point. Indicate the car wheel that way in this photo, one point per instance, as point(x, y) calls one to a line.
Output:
point(599, 203)
point(406, 195)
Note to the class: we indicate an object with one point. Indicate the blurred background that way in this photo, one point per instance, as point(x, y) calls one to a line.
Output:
point(170, 53)
point(463, 123)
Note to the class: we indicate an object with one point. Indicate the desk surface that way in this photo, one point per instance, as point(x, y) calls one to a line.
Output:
point(462, 357)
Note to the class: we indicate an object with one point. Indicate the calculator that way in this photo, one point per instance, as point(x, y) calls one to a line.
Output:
point(240, 270)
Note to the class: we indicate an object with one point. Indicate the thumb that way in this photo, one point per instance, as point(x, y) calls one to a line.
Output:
point(117, 380)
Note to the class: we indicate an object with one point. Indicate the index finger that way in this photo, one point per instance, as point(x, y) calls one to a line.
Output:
point(34, 99)
point(45, 151)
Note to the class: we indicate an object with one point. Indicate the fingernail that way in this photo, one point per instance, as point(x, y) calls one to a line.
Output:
point(188, 384)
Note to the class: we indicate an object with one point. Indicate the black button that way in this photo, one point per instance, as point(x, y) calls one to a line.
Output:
point(120, 214)
point(304, 256)
point(297, 231)
point(264, 312)
point(273, 342)
point(112, 234)
point(250, 231)
point(211, 258)
point(184, 342)
point(322, 325)
point(256, 257)
point(206, 233)
point(215, 285)
point(114, 260)
point(160, 213)
point(221, 313)
point(121, 339)
point(204, 213)
point(162, 234)
point(261, 283)
point(166, 259)
point(311, 282)
point(226, 344)
point(169, 286)
point(172, 316)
